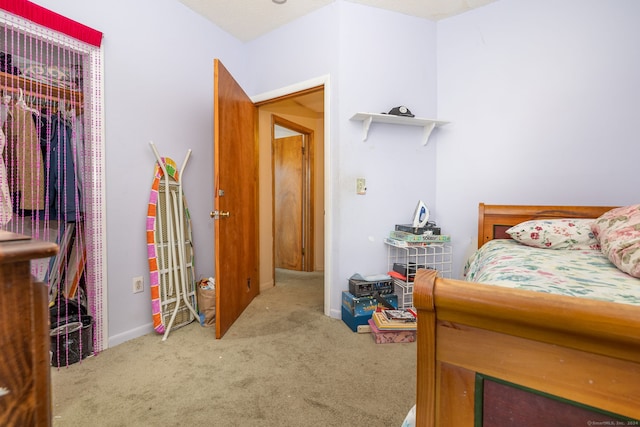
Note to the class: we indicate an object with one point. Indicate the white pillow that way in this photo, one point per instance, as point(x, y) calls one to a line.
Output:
point(564, 233)
point(618, 232)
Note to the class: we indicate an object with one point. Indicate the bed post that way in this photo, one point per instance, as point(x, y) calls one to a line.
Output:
point(423, 293)
point(481, 225)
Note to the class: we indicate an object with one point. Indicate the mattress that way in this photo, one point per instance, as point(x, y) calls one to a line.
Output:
point(579, 273)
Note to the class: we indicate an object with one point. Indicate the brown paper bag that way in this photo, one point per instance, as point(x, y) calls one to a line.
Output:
point(207, 305)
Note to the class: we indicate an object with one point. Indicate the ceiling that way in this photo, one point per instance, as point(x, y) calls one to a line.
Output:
point(250, 19)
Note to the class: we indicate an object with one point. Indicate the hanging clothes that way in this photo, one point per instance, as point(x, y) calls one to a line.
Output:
point(78, 139)
point(4, 109)
point(75, 122)
point(24, 160)
point(6, 207)
point(62, 190)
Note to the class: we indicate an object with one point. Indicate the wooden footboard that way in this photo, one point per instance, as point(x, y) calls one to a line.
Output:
point(582, 351)
point(481, 345)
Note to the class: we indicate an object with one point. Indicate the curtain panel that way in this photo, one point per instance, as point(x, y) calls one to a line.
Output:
point(52, 20)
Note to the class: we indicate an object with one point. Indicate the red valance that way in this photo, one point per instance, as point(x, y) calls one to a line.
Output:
point(52, 20)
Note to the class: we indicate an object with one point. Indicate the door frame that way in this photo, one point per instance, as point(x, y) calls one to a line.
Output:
point(308, 185)
point(328, 208)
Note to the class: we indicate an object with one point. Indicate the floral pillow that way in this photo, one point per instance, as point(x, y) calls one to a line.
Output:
point(565, 233)
point(618, 232)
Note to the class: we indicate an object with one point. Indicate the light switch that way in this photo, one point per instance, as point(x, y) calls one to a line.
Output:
point(361, 186)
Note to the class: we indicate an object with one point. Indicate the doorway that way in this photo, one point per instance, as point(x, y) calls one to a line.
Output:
point(293, 195)
point(303, 111)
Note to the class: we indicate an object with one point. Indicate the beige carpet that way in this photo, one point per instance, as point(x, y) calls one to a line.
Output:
point(283, 363)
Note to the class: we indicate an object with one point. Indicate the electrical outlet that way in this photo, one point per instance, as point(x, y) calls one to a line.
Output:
point(138, 284)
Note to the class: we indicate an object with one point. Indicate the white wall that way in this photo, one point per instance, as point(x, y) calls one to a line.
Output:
point(298, 51)
point(386, 59)
point(158, 60)
point(377, 60)
point(543, 97)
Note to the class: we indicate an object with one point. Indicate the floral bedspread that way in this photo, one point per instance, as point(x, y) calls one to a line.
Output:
point(584, 273)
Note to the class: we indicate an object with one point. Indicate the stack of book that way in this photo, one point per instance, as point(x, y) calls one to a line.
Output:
point(394, 326)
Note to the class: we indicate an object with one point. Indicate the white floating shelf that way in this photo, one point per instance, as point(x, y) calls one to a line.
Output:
point(368, 118)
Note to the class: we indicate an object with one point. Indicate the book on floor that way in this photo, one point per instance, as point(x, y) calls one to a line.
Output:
point(393, 322)
point(404, 315)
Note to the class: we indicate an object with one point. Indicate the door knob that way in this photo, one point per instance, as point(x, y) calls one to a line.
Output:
point(217, 214)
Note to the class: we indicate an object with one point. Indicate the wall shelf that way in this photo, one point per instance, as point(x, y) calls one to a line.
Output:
point(368, 118)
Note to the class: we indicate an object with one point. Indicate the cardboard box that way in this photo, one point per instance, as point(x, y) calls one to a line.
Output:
point(364, 306)
point(354, 321)
point(386, 337)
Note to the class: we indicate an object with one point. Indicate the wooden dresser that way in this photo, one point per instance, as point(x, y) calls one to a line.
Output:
point(25, 376)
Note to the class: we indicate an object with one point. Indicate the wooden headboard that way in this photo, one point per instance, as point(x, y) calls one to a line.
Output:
point(494, 220)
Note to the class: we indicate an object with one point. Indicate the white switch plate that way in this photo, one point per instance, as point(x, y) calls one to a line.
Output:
point(361, 186)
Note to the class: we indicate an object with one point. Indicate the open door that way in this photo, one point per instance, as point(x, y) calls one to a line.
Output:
point(235, 199)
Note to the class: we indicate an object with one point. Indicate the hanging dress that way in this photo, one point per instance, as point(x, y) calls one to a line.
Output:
point(24, 160)
point(6, 207)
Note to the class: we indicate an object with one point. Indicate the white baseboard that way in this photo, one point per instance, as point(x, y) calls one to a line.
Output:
point(131, 334)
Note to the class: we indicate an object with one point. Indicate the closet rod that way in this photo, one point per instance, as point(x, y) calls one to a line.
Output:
point(39, 95)
point(12, 83)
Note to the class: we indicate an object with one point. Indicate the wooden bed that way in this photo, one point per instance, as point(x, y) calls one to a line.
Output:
point(518, 357)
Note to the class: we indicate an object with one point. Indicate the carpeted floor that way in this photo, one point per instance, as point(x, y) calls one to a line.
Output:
point(283, 363)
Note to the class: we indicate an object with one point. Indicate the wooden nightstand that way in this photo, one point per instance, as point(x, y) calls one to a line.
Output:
point(25, 368)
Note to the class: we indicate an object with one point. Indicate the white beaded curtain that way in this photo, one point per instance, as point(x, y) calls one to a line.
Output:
point(52, 164)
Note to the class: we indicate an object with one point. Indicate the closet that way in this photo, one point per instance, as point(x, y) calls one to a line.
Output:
point(52, 167)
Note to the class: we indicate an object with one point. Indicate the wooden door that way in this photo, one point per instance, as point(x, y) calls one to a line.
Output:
point(288, 163)
point(235, 199)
